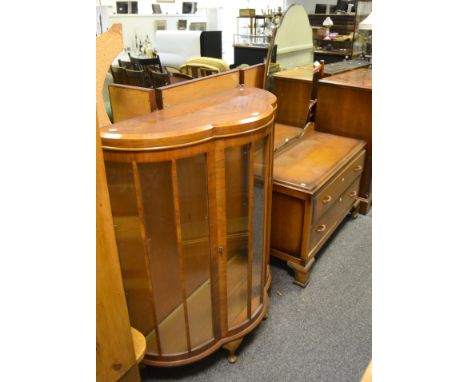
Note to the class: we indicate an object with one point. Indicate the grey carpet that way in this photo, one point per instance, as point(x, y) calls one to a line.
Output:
point(321, 333)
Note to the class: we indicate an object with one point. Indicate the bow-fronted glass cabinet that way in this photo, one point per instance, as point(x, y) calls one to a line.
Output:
point(190, 196)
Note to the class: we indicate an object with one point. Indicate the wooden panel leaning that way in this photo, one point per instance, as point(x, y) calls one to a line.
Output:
point(171, 95)
point(253, 76)
point(116, 355)
point(130, 101)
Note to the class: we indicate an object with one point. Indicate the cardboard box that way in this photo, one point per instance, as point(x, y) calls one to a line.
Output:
point(247, 12)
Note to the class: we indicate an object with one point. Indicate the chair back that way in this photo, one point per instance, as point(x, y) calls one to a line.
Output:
point(137, 78)
point(180, 77)
point(126, 64)
point(119, 75)
point(141, 63)
point(198, 70)
point(159, 79)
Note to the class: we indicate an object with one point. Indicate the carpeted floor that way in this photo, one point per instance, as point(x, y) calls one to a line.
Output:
point(320, 333)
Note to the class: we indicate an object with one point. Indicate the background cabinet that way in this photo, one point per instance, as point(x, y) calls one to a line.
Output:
point(349, 41)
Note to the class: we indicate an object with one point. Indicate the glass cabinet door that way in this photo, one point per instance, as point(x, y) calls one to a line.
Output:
point(245, 228)
point(161, 219)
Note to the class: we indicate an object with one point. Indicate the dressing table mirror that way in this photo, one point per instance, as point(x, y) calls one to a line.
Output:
point(289, 74)
point(316, 176)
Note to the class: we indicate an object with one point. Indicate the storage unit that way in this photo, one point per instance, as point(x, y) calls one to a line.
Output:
point(190, 189)
point(349, 42)
point(315, 185)
point(345, 108)
point(250, 42)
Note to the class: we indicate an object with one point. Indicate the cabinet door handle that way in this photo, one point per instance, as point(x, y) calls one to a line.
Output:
point(327, 199)
point(220, 250)
point(321, 228)
point(358, 168)
point(352, 194)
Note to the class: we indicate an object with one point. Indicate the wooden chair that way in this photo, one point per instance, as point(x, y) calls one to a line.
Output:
point(159, 79)
point(137, 78)
point(126, 64)
point(119, 75)
point(141, 63)
point(198, 70)
point(180, 77)
point(171, 69)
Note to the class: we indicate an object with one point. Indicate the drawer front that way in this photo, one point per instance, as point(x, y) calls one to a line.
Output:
point(328, 196)
point(326, 224)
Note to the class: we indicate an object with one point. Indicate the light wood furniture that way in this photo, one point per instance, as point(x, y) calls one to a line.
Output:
point(115, 356)
point(315, 185)
point(316, 176)
point(345, 108)
point(118, 346)
point(253, 75)
point(175, 94)
point(367, 376)
point(130, 101)
point(294, 89)
point(190, 190)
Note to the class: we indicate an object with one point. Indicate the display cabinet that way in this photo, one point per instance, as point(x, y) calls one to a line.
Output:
point(346, 39)
point(190, 189)
point(252, 39)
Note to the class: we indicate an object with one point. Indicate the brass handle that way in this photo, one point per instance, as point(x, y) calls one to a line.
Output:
point(352, 194)
point(327, 199)
point(220, 250)
point(321, 228)
point(358, 168)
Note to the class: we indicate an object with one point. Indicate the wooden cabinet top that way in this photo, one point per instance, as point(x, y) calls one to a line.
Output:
point(344, 66)
point(359, 78)
point(231, 112)
point(308, 164)
point(298, 73)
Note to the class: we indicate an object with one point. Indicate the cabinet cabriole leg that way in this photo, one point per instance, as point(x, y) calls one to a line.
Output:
point(231, 347)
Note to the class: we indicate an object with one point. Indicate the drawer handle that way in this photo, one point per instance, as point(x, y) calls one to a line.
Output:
point(327, 199)
point(321, 228)
point(358, 168)
point(352, 194)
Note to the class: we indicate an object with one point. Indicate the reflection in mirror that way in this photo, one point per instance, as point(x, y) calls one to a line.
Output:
point(292, 43)
point(289, 74)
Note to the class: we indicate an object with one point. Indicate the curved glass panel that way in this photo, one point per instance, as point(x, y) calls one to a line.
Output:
point(137, 284)
point(161, 234)
point(237, 231)
point(258, 221)
point(192, 182)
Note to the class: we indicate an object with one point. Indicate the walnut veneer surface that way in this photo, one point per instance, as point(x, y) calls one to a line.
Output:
point(190, 189)
point(222, 113)
point(315, 184)
point(345, 108)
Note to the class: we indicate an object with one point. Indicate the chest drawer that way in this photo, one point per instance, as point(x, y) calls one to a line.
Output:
point(327, 222)
point(329, 195)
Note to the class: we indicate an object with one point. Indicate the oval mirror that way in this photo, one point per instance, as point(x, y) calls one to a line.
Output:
point(289, 73)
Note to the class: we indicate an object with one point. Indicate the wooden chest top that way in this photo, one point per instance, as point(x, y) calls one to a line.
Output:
point(310, 163)
point(359, 78)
